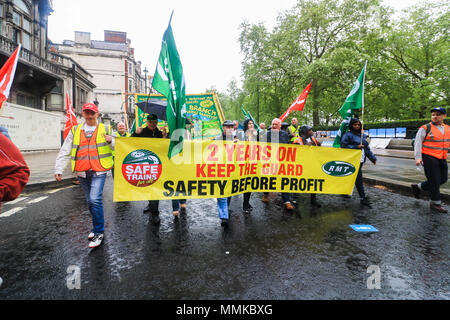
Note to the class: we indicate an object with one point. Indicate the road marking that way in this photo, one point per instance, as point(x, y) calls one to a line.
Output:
point(54, 191)
point(38, 199)
point(17, 200)
point(11, 212)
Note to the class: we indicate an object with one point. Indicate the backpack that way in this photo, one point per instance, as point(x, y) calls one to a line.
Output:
point(426, 134)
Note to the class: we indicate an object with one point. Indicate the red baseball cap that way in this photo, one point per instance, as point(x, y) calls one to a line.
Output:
point(90, 106)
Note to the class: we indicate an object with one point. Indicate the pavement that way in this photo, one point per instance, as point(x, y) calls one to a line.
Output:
point(395, 170)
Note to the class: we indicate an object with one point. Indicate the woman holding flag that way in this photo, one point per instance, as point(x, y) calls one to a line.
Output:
point(355, 139)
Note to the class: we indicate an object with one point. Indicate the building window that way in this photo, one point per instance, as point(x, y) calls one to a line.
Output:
point(22, 6)
point(16, 36)
point(26, 41)
point(26, 25)
point(130, 86)
point(130, 69)
point(17, 19)
point(22, 33)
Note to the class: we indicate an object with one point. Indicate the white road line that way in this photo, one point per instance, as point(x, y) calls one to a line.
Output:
point(17, 200)
point(10, 212)
point(38, 199)
point(54, 191)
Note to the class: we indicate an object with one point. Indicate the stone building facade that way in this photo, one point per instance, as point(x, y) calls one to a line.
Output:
point(117, 76)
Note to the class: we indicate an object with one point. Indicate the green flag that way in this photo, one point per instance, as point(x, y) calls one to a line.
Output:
point(355, 100)
point(249, 116)
point(169, 81)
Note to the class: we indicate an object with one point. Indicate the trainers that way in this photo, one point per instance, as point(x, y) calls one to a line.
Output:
point(289, 206)
point(365, 202)
point(438, 208)
point(265, 198)
point(91, 236)
point(96, 240)
point(224, 223)
point(416, 191)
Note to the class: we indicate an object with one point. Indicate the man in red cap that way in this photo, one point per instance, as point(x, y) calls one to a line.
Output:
point(89, 146)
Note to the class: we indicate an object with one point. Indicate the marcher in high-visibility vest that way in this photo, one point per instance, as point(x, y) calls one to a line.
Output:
point(293, 130)
point(90, 148)
point(306, 137)
point(430, 150)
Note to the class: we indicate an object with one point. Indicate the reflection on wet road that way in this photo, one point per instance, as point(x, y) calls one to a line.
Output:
point(269, 254)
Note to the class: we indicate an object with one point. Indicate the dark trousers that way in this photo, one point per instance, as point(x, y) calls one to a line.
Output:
point(246, 203)
point(436, 171)
point(154, 207)
point(359, 183)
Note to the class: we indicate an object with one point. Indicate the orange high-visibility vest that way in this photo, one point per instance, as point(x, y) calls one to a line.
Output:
point(436, 144)
point(94, 154)
point(298, 140)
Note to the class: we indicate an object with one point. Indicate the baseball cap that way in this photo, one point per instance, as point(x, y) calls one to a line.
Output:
point(152, 117)
point(228, 123)
point(441, 110)
point(90, 106)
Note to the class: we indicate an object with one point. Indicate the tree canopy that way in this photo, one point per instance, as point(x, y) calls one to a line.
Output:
point(327, 42)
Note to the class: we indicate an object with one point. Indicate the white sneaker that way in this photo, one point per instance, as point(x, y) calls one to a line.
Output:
point(91, 236)
point(96, 241)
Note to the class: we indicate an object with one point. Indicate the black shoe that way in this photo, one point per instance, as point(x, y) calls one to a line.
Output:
point(365, 202)
point(155, 219)
point(438, 208)
point(416, 191)
point(224, 223)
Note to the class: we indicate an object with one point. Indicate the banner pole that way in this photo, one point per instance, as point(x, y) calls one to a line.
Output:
point(362, 116)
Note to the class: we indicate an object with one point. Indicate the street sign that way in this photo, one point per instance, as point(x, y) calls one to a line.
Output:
point(363, 228)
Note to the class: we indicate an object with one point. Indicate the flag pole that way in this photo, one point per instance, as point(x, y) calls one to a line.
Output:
point(362, 116)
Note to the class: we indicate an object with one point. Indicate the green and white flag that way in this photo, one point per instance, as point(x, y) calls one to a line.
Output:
point(169, 81)
point(355, 100)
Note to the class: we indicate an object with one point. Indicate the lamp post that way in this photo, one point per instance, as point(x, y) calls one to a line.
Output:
point(145, 72)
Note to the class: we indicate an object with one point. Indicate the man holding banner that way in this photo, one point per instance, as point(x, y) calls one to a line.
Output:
point(276, 135)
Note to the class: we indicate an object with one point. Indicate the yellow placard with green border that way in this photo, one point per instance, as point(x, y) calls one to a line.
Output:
point(218, 169)
point(202, 110)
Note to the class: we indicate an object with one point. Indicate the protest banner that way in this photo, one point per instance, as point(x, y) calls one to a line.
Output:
point(213, 169)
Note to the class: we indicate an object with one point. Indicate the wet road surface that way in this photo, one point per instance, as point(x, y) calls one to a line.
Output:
point(269, 254)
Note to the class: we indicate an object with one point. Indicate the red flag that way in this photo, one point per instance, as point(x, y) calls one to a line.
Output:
point(7, 75)
point(298, 104)
point(71, 119)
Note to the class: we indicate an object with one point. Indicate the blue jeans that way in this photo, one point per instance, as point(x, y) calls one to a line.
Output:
point(222, 205)
point(176, 204)
point(93, 189)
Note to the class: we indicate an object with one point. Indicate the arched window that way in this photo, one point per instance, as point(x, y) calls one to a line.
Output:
point(22, 6)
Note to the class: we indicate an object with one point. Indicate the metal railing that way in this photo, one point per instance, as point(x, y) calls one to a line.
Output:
point(8, 47)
